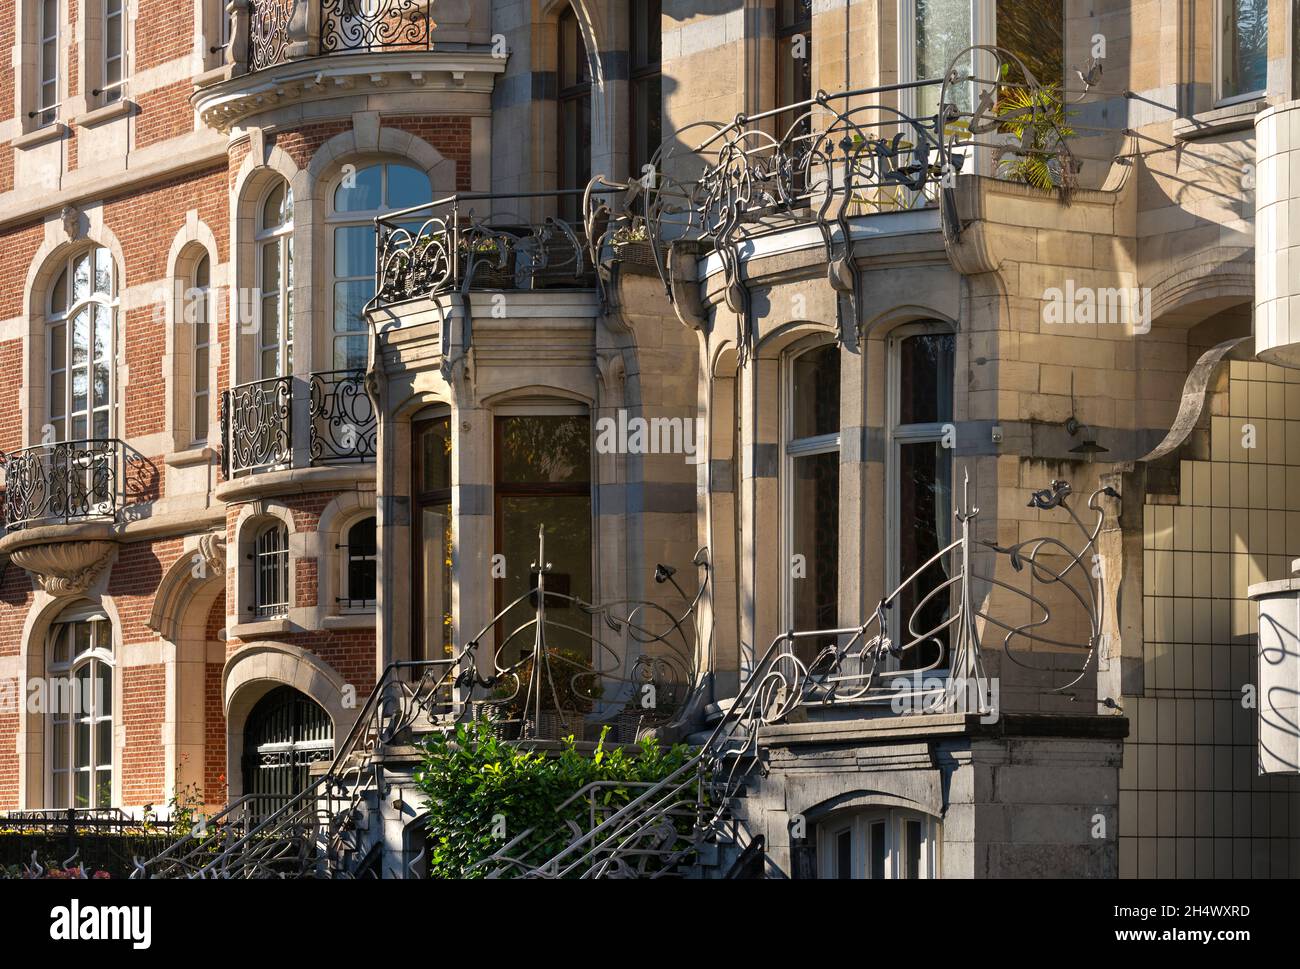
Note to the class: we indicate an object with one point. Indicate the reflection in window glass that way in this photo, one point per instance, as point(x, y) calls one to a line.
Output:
point(543, 480)
point(943, 30)
point(431, 550)
point(1033, 30)
point(1243, 50)
point(574, 112)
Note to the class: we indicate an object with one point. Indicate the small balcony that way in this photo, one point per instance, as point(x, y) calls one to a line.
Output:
point(69, 482)
point(266, 33)
point(329, 412)
point(481, 241)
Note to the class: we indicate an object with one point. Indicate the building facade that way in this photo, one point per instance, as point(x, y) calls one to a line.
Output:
point(902, 385)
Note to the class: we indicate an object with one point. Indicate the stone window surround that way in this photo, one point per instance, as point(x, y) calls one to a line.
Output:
point(255, 518)
point(27, 44)
point(192, 242)
point(858, 822)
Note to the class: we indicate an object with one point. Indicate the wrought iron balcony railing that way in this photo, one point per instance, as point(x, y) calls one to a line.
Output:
point(480, 241)
point(335, 27)
point(258, 419)
point(74, 481)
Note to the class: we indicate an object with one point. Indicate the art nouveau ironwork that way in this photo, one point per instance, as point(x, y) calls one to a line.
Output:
point(368, 25)
point(257, 426)
point(72, 481)
point(268, 32)
point(344, 425)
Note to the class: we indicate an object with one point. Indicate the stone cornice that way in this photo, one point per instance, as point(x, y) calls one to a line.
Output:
point(235, 101)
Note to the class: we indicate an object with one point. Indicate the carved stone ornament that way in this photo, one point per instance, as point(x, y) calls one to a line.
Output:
point(212, 547)
point(65, 568)
point(71, 218)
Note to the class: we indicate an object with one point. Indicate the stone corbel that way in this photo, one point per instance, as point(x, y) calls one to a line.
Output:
point(683, 280)
point(65, 568)
point(212, 546)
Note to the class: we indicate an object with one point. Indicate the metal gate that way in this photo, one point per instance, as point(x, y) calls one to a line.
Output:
point(285, 734)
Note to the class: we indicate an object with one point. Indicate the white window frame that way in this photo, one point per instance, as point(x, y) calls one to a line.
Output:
point(792, 448)
point(858, 825)
point(112, 91)
point(61, 672)
point(47, 35)
point(200, 297)
point(280, 235)
point(336, 220)
point(64, 318)
point(896, 436)
point(1220, 100)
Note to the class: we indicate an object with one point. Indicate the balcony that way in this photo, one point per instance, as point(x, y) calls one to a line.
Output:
point(480, 241)
point(67, 482)
point(330, 410)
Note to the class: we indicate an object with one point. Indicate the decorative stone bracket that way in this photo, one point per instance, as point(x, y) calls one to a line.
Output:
point(65, 568)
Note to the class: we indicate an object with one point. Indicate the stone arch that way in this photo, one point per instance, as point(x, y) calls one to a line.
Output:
point(254, 670)
point(375, 142)
point(343, 511)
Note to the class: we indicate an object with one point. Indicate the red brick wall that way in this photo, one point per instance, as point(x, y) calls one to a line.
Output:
point(143, 767)
point(164, 113)
point(214, 736)
point(164, 31)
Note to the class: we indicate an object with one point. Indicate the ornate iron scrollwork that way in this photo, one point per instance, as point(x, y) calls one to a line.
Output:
point(258, 425)
point(344, 426)
point(365, 25)
point(72, 481)
point(268, 32)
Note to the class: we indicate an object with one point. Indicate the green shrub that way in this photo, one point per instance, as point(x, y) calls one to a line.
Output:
point(473, 781)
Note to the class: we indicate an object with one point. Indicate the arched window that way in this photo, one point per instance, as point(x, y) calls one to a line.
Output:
point(359, 576)
point(200, 304)
point(878, 843)
point(920, 513)
point(574, 112)
point(811, 494)
point(80, 704)
point(360, 196)
point(271, 572)
point(82, 307)
point(275, 283)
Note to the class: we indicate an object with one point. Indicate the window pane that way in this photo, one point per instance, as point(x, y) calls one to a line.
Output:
point(911, 849)
point(354, 250)
point(925, 378)
point(1033, 31)
point(943, 30)
point(362, 193)
point(435, 529)
point(80, 336)
point(407, 186)
point(925, 526)
point(278, 206)
point(550, 450)
point(61, 790)
point(350, 353)
point(568, 549)
point(350, 299)
point(435, 456)
point(59, 295)
point(876, 837)
point(59, 645)
point(60, 741)
point(816, 394)
point(103, 272)
point(103, 690)
point(814, 536)
point(844, 854)
point(361, 538)
point(83, 789)
point(1244, 51)
point(81, 277)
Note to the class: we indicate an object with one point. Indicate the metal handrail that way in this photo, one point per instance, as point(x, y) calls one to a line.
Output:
point(85, 479)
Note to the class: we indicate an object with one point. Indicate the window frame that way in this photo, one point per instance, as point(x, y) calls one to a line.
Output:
point(280, 235)
point(858, 824)
point(1217, 60)
point(644, 80)
point(97, 656)
point(260, 608)
point(576, 94)
point(44, 114)
point(110, 92)
point(791, 450)
point(335, 220)
point(897, 435)
point(420, 500)
point(56, 318)
point(348, 602)
point(200, 296)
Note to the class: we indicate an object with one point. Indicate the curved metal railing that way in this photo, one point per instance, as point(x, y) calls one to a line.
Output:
point(74, 481)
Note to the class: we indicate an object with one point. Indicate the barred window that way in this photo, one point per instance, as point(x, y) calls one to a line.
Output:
point(362, 558)
point(271, 573)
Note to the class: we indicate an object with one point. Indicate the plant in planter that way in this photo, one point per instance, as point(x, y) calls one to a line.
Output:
point(1038, 120)
point(565, 695)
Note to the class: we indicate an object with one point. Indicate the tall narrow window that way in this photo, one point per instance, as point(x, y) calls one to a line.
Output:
point(1243, 49)
point(82, 306)
point(271, 573)
point(1034, 30)
point(793, 58)
point(645, 45)
point(114, 50)
point(431, 536)
point(574, 113)
point(275, 283)
point(362, 549)
point(812, 494)
point(80, 665)
point(921, 514)
point(362, 195)
point(200, 303)
point(47, 97)
point(543, 479)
